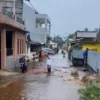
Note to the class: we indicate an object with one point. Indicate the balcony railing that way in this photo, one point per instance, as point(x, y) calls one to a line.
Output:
point(12, 16)
point(20, 20)
point(9, 52)
point(9, 14)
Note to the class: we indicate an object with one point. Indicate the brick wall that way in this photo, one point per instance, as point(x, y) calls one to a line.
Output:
point(12, 64)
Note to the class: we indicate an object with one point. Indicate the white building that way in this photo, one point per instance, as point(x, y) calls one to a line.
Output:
point(37, 24)
point(53, 44)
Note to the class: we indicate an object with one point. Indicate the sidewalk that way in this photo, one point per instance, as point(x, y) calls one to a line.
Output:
point(6, 73)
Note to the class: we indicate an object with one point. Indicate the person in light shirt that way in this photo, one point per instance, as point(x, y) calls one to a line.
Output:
point(49, 63)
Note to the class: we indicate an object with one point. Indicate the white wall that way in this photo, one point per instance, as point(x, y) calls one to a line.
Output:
point(37, 34)
point(87, 34)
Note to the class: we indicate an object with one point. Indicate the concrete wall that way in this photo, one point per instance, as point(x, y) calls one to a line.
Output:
point(12, 62)
point(92, 46)
point(37, 34)
point(11, 22)
point(94, 61)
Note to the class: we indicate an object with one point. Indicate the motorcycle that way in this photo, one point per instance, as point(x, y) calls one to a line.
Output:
point(22, 64)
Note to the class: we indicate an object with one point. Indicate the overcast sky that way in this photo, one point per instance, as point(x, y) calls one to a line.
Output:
point(67, 16)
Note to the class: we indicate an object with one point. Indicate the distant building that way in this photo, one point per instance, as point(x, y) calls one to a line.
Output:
point(88, 39)
point(53, 45)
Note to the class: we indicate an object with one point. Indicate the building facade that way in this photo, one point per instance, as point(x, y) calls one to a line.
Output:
point(12, 40)
point(88, 39)
point(39, 25)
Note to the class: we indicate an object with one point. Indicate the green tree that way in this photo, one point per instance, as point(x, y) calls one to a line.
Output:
point(59, 40)
point(71, 36)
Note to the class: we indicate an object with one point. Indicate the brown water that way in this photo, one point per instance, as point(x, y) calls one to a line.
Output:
point(42, 86)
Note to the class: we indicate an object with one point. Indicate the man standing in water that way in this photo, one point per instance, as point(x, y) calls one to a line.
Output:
point(85, 55)
point(49, 63)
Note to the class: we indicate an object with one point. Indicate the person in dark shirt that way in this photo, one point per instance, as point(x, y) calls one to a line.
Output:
point(85, 55)
point(22, 63)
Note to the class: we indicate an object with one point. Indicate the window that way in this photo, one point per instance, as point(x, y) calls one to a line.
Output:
point(18, 46)
point(22, 46)
point(9, 49)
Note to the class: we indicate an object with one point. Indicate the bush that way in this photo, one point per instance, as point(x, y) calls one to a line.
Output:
point(90, 92)
point(75, 74)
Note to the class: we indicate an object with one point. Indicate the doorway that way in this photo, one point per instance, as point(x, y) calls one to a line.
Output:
point(9, 50)
point(0, 50)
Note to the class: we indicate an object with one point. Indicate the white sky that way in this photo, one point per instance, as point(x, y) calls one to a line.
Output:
point(67, 16)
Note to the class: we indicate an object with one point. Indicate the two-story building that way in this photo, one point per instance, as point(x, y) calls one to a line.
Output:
point(12, 39)
point(39, 26)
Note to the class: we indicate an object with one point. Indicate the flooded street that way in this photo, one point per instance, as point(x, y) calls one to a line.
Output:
point(43, 86)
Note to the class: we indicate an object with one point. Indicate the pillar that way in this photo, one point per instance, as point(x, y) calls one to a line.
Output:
point(46, 23)
point(49, 27)
point(29, 50)
point(3, 49)
point(25, 44)
point(14, 43)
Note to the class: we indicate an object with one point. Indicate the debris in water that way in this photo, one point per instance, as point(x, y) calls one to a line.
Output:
point(64, 70)
point(69, 78)
point(79, 82)
point(89, 78)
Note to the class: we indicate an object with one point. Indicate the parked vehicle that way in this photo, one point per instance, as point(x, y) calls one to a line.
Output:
point(22, 64)
point(77, 58)
point(63, 55)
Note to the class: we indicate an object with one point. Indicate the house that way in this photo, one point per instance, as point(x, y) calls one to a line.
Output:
point(12, 39)
point(39, 26)
point(88, 39)
point(53, 44)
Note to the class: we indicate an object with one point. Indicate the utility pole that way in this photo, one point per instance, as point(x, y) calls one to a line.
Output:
point(14, 7)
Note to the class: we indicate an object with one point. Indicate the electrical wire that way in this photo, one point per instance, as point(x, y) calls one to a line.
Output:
point(31, 4)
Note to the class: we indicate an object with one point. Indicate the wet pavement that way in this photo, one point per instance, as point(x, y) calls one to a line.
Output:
point(43, 86)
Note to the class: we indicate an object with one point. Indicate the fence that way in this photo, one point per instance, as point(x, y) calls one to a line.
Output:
point(34, 56)
point(94, 61)
point(12, 16)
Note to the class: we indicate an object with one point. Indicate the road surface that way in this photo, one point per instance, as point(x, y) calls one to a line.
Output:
point(43, 86)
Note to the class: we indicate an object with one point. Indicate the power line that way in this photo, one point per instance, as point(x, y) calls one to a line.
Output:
point(31, 4)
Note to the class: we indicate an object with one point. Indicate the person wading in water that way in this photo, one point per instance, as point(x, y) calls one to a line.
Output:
point(49, 63)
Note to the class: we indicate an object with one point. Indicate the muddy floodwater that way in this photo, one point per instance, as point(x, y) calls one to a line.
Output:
point(43, 86)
